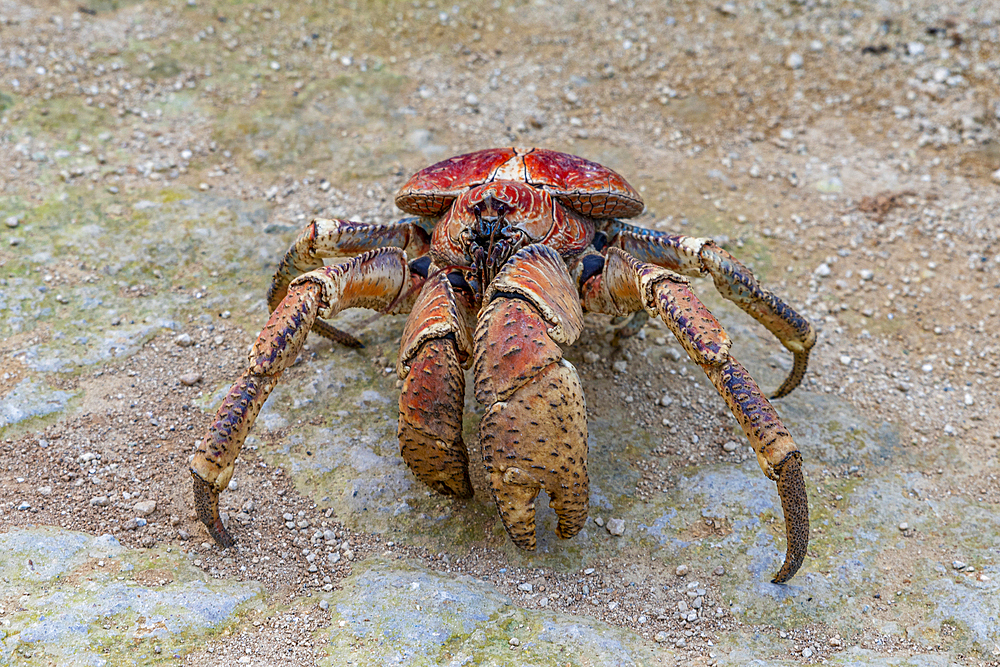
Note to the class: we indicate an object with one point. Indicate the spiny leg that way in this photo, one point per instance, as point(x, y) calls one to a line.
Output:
point(436, 344)
point(692, 256)
point(323, 237)
point(534, 432)
point(372, 280)
point(627, 285)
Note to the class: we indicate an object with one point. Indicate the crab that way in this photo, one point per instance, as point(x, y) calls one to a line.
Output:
point(506, 250)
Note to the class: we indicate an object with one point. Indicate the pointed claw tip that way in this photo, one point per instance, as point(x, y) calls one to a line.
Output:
point(795, 504)
point(206, 502)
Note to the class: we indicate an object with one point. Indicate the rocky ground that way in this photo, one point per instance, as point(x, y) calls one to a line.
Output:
point(156, 158)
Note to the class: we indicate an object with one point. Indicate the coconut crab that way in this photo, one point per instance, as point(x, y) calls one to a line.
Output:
point(508, 249)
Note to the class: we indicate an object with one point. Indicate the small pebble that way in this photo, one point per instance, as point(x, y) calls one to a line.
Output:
point(958, 565)
point(619, 366)
point(100, 501)
point(599, 521)
point(527, 588)
point(794, 61)
point(845, 360)
point(719, 571)
point(12, 221)
point(904, 526)
point(45, 490)
point(145, 508)
point(189, 379)
point(514, 641)
point(681, 570)
point(822, 270)
point(25, 505)
point(730, 446)
point(616, 527)
point(807, 652)
point(591, 357)
point(183, 340)
point(324, 605)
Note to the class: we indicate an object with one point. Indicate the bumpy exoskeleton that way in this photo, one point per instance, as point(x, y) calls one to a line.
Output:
point(509, 248)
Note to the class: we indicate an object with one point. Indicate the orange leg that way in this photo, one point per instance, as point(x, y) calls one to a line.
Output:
point(693, 257)
point(626, 285)
point(341, 238)
point(372, 280)
point(534, 432)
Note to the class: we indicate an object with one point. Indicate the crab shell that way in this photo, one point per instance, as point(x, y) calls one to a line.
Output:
point(586, 187)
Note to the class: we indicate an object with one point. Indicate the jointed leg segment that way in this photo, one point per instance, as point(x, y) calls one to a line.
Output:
point(372, 280)
point(628, 285)
point(691, 256)
point(323, 238)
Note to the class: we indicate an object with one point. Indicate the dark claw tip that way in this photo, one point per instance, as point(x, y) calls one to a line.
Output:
point(792, 491)
point(799, 365)
point(206, 503)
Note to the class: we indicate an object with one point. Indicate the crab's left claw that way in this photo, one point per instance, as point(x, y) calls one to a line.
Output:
point(534, 432)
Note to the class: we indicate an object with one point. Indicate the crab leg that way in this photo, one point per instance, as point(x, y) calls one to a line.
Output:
point(436, 344)
point(692, 256)
point(627, 285)
point(372, 280)
point(323, 237)
point(534, 432)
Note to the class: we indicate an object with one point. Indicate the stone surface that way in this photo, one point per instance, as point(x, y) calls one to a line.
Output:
point(395, 612)
point(73, 599)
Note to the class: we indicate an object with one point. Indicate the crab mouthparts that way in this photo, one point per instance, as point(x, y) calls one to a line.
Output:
point(491, 241)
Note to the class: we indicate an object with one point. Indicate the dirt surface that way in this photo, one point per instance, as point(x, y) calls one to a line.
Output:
point(847, 153)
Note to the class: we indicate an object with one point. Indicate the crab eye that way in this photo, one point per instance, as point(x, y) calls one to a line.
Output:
point(499, 208)
point(477, 210)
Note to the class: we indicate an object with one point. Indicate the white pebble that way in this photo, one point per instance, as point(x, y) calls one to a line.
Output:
point(904, 526)
point(183, 340)
point(968, 399)
point(807, 652)
point(915, 48)
point(619, 366)
point(845, 360)
point(527, 588)
point(794, 61)
point(681, 570)
point(730, 446)
point(822, 270)
point(958, 565)
point(145, 507)
point(616, 527)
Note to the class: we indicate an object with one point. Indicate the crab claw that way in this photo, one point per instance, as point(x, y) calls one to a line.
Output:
point(792, 491)
point(206, 503)
point(537, 439)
